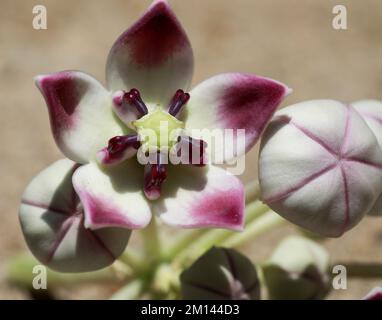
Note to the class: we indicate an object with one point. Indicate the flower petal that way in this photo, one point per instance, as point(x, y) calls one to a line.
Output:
point(375, 294)
point(112, 196)
point(371, 111)
point(52, 223)
point(203, 197)
point(80, 113)
point(232, 101)
point(154, 56)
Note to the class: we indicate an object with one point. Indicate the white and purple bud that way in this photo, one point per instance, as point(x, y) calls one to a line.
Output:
point(52, 220)
point(223, 274)
point(297, 269)
point(371, 111)
point(375, 294)
point(320, 166)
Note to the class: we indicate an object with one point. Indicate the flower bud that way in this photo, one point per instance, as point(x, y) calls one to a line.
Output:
point(371, 111)
point(221, 274)
point(297, 270)
point(52, 221)
point(375, 294)
point(320, 166)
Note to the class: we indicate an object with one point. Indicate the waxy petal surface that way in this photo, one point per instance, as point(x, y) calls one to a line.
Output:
point(320, 166)
point(52, 222)
point(202, 197)
point(371, 111)
point(242, 102)
point(80, 113)
point(154, 56)
point(112, 196)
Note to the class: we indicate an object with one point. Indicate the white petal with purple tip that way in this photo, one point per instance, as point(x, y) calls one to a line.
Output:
point(80, 113)
point(112, 196)
point(202, 197)
point(243, 103)
point(154, 56)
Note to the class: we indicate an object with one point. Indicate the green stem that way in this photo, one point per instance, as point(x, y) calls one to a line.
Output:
point(217, 236)
point(132, 259)
point(182, 242)
point(151, 241)
point(254, 210)
point(131, 291)
point(255, 228)
point(252, 191)
point(20, 272)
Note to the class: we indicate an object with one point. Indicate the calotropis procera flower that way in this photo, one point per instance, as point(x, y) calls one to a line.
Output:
point(320, 166)
point(148, 73)
point(371, 111)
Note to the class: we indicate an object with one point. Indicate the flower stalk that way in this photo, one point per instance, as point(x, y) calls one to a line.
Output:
point(152, 242)
point(266, 222)
point(216, 237)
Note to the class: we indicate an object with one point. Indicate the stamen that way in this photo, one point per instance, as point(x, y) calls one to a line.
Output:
point(133, 99)
point(154, 176)
point(178, 101)
point(119, 148)
point(192, 151)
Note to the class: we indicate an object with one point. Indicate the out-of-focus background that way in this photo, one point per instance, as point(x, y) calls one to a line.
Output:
point(289, 40)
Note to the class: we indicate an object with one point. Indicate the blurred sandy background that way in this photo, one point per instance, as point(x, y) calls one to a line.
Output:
point(289, 40)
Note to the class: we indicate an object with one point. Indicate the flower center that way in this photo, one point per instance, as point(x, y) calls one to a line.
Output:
point(158, 132)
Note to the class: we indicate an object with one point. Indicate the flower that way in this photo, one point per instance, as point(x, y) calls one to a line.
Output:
point(320, 166)
point(221, 273)
point(374, 294)
point(371, 111)
point(148, 73)
point(297, 269)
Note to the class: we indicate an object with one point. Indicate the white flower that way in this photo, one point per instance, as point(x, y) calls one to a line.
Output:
point(148, 73)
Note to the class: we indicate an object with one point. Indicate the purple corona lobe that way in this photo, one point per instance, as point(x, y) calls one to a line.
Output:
point(119, 144)
point(249, 103)
point(119, 148)
point(155, 37)
point(178, 101)
point(154, 175)
point(133, 99)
